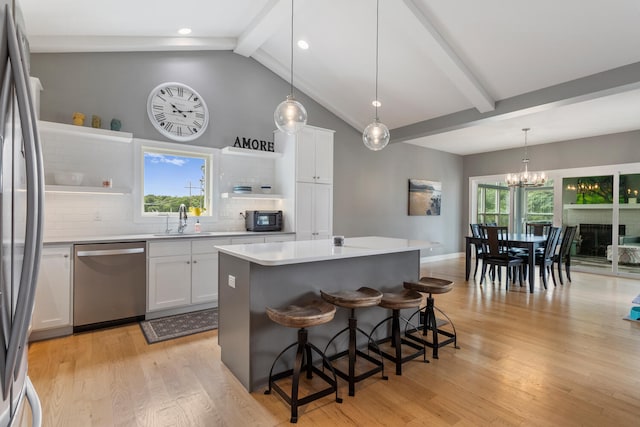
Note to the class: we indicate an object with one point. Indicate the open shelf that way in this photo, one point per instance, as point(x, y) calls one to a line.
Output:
point(84, 189)
point(89, 132)
point(235, 151)
point(251, 196)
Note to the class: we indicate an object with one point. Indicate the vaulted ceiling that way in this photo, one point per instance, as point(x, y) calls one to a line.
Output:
point(461, 76)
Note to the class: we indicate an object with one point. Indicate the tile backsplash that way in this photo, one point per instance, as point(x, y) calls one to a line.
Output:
point(86, 214)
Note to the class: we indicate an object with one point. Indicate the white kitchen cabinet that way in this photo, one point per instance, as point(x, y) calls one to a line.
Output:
point(314, 211)
point(53, 293)
point(183, 273)
point(204, 270)
point(169, 280)
point(314, 155)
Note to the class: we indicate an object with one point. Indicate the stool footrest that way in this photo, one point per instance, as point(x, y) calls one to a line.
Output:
point(303, 364)
point(306, 399)
point(345, 375)
point(392, 357)
point(421, 338)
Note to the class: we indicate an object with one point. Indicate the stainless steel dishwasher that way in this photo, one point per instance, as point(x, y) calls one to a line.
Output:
point(109, 284)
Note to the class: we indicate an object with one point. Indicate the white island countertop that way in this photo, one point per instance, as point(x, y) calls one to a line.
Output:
point(283, 253)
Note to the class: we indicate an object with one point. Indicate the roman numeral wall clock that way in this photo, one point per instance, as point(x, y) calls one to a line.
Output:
point(177, 111)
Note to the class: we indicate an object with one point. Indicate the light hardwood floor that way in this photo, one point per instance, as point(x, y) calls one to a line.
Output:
point(559, 357)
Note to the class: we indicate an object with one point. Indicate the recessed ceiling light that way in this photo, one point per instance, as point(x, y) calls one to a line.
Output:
point(184, 31)
point(303, 45)
point(376, 103)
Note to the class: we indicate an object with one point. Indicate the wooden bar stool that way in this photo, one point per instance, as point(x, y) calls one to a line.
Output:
point(396, 301)
point(314, 313)
point(363, 297)
point(428, 320)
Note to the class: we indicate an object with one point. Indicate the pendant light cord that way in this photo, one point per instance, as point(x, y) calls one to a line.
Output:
point(291, 89)
point(377, 35)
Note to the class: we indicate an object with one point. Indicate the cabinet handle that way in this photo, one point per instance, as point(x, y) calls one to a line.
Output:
point(195, 262)
point(66, 256)
point(188, 262)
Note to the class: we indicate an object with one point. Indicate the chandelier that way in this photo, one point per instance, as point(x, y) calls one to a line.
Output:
point(524, 178)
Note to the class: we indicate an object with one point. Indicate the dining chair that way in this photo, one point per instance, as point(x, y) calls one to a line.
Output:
point(545, 259)
point(475, 232)
point(564, 254)
point(495, 248)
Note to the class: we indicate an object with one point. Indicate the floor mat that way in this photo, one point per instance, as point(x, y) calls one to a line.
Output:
point(179, 325)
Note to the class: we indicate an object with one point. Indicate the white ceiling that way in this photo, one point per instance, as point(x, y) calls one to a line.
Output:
point(460, 76)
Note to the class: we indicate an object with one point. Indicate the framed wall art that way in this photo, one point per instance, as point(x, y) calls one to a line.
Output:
point(424, 197)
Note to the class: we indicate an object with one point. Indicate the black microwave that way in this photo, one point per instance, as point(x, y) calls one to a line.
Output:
point(263, 220)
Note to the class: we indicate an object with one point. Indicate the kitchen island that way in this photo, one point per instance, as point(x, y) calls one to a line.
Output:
point(252, 277)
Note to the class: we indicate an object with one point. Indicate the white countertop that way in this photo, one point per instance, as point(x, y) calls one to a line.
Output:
point(156, 236)
point(283, 253)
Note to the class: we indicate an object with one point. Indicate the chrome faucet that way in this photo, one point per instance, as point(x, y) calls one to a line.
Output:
point(182, 213)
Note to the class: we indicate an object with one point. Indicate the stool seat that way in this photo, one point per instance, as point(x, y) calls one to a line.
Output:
point(406, 298)
point(316, 312)
point(430, 285)
point(362, 297)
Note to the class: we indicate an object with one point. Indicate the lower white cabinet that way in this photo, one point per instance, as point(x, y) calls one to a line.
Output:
point(53, 293)
point(183, 273)
point(314, 211)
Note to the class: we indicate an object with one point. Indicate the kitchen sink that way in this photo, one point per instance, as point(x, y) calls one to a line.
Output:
point(176, 234)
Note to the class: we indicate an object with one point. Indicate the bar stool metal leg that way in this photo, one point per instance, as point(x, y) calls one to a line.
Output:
point(315, 313)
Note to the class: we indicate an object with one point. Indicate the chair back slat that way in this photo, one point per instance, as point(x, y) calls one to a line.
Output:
point(495, 241)
point(552, 242)
point(567, 239)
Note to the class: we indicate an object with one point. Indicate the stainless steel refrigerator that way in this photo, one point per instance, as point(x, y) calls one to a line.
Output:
point(21, 213)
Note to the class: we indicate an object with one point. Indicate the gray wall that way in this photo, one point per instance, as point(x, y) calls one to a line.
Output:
point(370, 191)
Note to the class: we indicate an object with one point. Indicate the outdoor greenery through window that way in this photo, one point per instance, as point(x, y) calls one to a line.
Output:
point(171, 178)
point(493, 204)
point(539, 203)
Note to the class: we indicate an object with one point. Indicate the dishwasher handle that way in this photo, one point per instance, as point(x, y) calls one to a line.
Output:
point(105, 252)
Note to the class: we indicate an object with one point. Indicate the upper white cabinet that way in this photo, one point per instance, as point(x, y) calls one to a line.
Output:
point(53, 293)
point(314, 155)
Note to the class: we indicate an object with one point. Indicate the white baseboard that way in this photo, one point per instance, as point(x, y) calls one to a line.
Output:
point(434, 258)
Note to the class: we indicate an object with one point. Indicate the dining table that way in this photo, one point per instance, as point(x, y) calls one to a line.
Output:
point(516, 240)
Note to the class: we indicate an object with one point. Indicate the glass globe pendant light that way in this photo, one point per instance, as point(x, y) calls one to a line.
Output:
point(376, 135)
point(290, 115)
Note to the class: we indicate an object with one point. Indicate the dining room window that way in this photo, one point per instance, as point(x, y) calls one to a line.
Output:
point(493, 204)
point(539, 204)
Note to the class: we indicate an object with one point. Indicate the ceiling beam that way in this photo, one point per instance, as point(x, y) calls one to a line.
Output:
point(611, 82)
point(61, 44)
point(267, 22)
point(450, 63)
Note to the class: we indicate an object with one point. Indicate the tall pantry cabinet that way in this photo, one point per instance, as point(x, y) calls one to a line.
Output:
point(311, 152)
